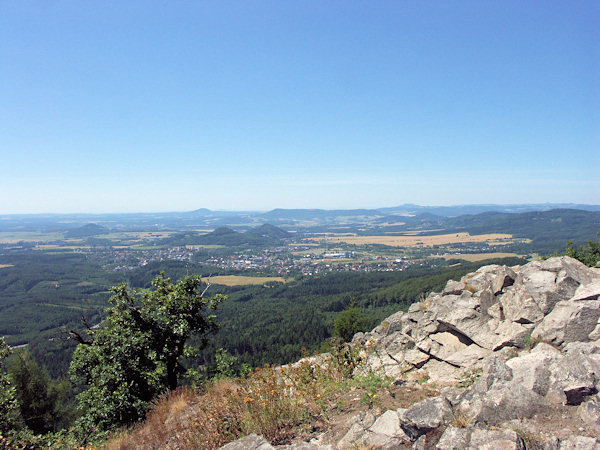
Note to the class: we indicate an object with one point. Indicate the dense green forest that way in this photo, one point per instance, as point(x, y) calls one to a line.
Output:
point(46, 295)
point(275, 324)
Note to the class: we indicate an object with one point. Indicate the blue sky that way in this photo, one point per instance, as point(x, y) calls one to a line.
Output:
point(172, 106)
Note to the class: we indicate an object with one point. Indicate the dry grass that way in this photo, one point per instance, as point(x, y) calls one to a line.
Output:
point(278, 403)
point(238, 280)
point(420, 241)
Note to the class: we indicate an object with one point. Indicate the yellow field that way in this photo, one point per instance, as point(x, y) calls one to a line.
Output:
point(238, 280)
point(421, 241)
point(4, 266)
point(480, 256)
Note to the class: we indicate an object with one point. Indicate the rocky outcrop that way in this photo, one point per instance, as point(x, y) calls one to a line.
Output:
point(518, 351)
point(495, 310)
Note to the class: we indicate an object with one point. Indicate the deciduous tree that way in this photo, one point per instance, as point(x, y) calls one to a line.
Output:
point(136, 352)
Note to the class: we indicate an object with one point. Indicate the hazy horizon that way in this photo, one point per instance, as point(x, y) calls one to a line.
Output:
point(262, 211)
point(145, 106)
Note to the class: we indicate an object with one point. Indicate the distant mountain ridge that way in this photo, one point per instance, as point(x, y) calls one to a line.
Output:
point(249, 219)
point(263, 235)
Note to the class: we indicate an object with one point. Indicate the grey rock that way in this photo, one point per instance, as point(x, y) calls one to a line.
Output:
point(250, 442)
point(589, 411)
point(533, 370)
point(388, 424)
point(425, 416)
point(496, 371)
point(589, 291)
point(505, 402)
point(495, 439)
point(469, 356)
point(454, 439)
point(569, 322)
point(504, 277)
point(583, 348)
point(384, 432)
point(573, 378)
point(454, 287)
point(510, 334)
point(351, 437)
point(579, 443)
point(519, 306)
point(475, 438)
point(487, 299)
point(548, 287)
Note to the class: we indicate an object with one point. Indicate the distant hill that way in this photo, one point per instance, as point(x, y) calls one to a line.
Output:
point(88, 230)
point(260, 236)
point(459, 210)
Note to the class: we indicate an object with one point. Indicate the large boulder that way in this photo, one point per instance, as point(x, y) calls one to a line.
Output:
point(424, 416)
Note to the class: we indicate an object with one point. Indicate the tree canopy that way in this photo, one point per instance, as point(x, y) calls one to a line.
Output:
point(136, 352)
point(9, 405)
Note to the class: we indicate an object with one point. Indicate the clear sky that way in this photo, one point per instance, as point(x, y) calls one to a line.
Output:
point(129, 106)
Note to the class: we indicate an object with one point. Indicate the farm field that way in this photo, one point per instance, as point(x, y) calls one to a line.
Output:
point(12, 237)
point(422, 241)
point(238, 280)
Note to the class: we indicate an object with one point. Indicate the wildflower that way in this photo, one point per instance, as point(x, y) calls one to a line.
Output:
point(318, 395)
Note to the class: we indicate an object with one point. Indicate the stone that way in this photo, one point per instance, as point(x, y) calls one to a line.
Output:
point(589, 411)
point(510, 334)
point(495, 439)
point(453, 288)
point(469, 356)
point(519, 306)
point(587, 292)
point(579, 443)
point(475, 439)
point(425, 416)
point(584, 348)
point(416, 357)
point(454, 439)
point(503, 402)
point(546, 287)
point(573, 378)
point(389, 424)
point(532, 370)
point(383, 432)
point(487, 299)
point(569, 322)
point(250, 442)
point(504, 277)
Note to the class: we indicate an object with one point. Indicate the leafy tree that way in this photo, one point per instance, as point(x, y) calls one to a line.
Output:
point(589, 255)
point(9, 405)
point(348, 322)
point(136, 353)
